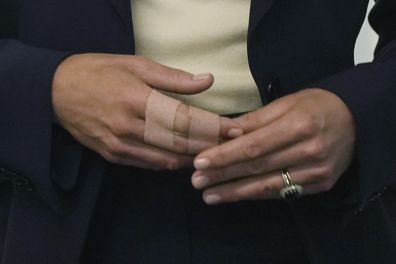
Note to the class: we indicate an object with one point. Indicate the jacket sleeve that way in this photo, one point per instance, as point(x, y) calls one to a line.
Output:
point(29, 140)
point(369, 90)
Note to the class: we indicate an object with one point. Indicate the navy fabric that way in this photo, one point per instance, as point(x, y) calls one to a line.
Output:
point(50, 183)
point(146, 217)
point(9, 10)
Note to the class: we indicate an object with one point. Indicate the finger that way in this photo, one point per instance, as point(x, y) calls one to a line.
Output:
point(133, 130)
point(169, 79)
point(159, 158)
point(317, 188)
point(256, 187)
point(229, 129)
point(300, 153)
point(212, 131)
point(263, 116)
point(136, 163)
point(181, 129)
point(265, 186)
point(175, 126)
point(275, 136)
point(162, 158)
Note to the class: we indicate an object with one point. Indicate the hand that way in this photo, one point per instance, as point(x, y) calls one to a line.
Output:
point(310, 132)
point(101, 100)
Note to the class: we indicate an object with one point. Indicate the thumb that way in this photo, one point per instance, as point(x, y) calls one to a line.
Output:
point(169, 79)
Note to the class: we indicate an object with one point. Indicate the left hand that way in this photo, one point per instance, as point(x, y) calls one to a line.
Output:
point(310, 132)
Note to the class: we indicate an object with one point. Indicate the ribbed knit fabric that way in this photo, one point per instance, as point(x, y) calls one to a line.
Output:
point(201, 36)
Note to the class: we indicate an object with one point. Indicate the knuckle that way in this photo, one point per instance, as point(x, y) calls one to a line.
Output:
point(252, 149)
point(137, 63)
point(126, 99)
point(106, 155)
point(219, 158)
point(113, 147)
point(173, 164)
point(247, 120)
point(218, 176)
point(120, 128)
point(109, 157)
point(254, 167)
point(177, 74)
point(180, 147)
point(324, 173)
point(317, 150)
point(247, 117)
point(304, 126)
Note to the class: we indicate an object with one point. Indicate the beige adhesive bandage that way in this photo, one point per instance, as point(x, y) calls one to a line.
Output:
point(204, 127)
point(204, 130)
point(160, 119)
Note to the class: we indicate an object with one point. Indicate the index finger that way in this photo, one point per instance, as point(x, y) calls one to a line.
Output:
point(263, 116)
point(275, 136)
point(203, 131)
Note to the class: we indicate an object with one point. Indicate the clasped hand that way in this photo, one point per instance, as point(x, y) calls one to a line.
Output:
point(310, 132)
point(101, 100)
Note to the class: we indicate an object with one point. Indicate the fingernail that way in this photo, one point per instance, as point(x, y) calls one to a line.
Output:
point(201, 164)
point(201, 76)
point(200, 182)
point(212, 199)
point(235, 132)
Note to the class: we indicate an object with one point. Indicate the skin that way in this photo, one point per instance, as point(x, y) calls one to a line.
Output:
point(100, 99)
point(310, 132)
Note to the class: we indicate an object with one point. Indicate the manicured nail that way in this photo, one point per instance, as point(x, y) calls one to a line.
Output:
point(212, 199)
point(200, 182)
point(235, 132)
point(201, 164)
point(201, 76)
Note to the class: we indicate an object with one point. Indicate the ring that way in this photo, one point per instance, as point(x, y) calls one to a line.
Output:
point(291, 191)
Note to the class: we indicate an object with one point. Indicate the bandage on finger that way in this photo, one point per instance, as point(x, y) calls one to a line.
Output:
point(159, 122)
point(177, 127)
point(181, 129)
point(204, 130)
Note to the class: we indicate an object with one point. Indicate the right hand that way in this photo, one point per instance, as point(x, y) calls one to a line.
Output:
point(100, 99)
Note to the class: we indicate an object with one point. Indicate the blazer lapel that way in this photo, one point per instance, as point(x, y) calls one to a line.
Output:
point(258, 9)
point(123, 9)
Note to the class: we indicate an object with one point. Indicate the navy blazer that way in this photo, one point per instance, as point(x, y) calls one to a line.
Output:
point(49, 182)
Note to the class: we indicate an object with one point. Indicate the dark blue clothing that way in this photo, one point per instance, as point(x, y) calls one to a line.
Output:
point(146, 217)
point(49, 183)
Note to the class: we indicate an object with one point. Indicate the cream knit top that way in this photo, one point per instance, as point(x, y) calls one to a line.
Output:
point(201, 36)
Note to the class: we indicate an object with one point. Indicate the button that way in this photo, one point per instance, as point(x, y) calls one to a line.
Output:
point(274, 89)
